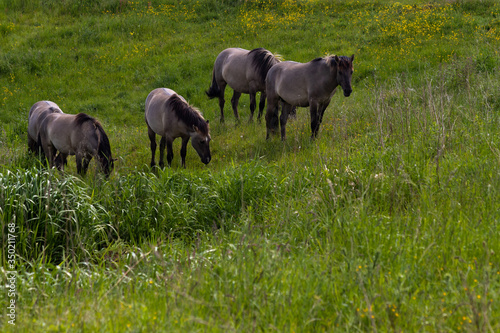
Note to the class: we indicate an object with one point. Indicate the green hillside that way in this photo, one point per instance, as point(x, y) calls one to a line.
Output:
point(387, 221)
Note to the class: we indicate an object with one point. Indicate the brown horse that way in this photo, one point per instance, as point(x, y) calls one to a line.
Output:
point(305, 84)
point(37, 114)
point(79, 135)
point(170, 116)
point(245, 72)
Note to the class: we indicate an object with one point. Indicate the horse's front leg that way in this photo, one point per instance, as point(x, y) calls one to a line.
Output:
point(152, 140)
point(272, 120)
point(314, 119)
point(222, 100)
point(321, 112)
point(79, 163)
point(85, 164)
point(170, 154)
point(285, 111)
point(61, 160)
point(234, 103)
point(184, 150)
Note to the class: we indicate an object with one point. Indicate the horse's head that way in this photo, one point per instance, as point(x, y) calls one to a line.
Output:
point(201, 143)
point(344, 73)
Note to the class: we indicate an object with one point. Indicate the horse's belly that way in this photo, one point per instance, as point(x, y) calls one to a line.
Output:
point(295, 97)
point(61, 144)
point(238, 85)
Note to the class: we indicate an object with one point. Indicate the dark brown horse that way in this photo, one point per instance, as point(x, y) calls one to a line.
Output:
point(245, 72)
point(170, 116)
point(79, 135)
point(305, 84)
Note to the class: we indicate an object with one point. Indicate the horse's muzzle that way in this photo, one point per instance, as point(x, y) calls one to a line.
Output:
point(347, 93)
point(206, 160)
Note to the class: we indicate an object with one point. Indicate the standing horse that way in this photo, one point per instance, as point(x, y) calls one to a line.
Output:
point(170, 116)
point(37, 114)
point(305, 84)
point(79, 135)
point(244, 71)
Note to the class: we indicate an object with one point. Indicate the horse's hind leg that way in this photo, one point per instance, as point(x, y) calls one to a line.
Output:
point(234, 103)
point(262, 104)
point(33, 145)
point(252, 104)
point(51, 155)
point(222, 101)
point(152, 139)
point(170, 153)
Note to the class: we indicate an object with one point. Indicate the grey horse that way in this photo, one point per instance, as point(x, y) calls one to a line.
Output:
point(79, 135)
point(245, 72)
point(309, 84)
point(170, 116)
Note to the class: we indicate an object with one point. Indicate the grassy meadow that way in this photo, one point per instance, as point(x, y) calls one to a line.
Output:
point(387, 222)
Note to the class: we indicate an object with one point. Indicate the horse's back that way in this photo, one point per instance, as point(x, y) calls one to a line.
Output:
point(156, 113)
point(288, 81)
point(37, 114)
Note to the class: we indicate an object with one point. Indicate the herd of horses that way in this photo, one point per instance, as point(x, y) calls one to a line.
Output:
point(289, 84)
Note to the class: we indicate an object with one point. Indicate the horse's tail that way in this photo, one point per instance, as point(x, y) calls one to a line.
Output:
point(214, 90)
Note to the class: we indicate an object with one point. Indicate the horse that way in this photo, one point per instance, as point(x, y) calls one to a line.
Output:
point(79, 135)
point(37, 114)
point(170, 116)
point(305, 84)
point(245, 72)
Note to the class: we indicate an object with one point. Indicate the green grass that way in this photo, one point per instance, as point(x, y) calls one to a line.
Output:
point(388, 221)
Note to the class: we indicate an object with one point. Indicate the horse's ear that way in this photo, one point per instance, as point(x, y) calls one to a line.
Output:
point(352, 58)
point(207, 121)
point(337, 60)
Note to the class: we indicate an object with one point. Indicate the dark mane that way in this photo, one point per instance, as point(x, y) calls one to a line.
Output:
point(344, 61)
point(262, 60)
point(187, 113)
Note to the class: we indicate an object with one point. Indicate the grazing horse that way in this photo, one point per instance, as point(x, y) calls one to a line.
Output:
point(37, 114)
point(244, 71)
point(305, 84)
point(170, 116)
point(79, 135)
